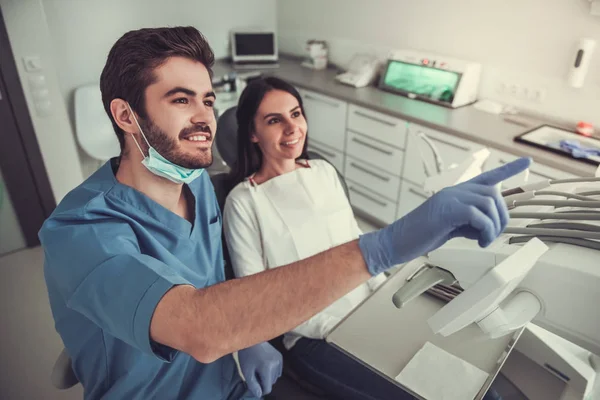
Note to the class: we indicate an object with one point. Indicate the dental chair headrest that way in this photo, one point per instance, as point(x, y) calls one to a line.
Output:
point(226, 136)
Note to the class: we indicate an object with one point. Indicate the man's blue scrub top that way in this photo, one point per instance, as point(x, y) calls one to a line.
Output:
point(111, 253)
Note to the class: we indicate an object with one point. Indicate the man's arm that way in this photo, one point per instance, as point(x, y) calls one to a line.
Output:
point(209, 323)
point(212, 322)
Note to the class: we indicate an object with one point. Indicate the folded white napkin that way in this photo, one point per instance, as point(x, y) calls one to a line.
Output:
point(435, 374)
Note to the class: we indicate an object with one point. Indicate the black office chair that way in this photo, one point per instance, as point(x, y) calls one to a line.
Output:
point(290, 385)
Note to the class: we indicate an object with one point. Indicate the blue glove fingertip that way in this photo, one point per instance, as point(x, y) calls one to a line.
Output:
point(502, 173)
point(254, 387)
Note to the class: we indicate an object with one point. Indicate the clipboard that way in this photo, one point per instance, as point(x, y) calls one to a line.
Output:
point(547, 137)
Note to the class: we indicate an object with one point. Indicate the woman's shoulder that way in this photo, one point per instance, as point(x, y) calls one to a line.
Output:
point(323, 167)
point(240, 193)
point(319, 164)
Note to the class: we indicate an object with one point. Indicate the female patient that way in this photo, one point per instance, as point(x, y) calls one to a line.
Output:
point(284, 208)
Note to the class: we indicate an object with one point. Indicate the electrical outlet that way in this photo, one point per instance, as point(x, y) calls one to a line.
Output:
point(521, 92)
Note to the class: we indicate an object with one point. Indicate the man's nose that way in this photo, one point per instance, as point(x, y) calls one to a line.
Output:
point(204, 115)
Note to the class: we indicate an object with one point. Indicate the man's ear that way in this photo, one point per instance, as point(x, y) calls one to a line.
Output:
point(122, 115)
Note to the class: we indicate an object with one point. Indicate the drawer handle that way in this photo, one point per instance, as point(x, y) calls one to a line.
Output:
point(330, 103)
point(387, 152)
point(366, 196)
point(417, 193)
point(381, 121)
point(321, 151)
point(456, 146)
point(376, 175)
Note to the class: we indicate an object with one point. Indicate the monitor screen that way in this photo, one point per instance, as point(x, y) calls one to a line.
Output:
point(254, 44)
point(429, 83)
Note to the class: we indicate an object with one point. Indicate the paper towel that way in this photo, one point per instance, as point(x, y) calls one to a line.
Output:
point(435, 374)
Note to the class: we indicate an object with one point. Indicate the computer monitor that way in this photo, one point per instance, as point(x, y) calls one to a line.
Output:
point(254, 47)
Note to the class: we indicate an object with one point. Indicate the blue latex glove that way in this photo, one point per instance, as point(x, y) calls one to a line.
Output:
point(578, 150)
point(261, 365)
point(474, 209)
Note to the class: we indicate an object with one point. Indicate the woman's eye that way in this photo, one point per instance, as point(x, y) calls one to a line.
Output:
point(273, 121)
point(181, 100)
point(296, 114)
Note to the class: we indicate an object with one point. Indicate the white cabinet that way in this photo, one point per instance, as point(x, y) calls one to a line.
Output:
point(335, 157)
point(365, 201)
point(380, 127)
point(326, 117)
point(420, 161)
point(411, 196)
point(374, 152)
point(376, 180)
point(374, 157)
point(385, 160)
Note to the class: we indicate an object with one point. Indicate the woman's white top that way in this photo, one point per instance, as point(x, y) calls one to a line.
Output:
point(289, 218)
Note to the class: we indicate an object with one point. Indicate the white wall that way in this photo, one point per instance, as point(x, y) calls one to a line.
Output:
point(28, 34)
point(82, 32)
point(524, 42)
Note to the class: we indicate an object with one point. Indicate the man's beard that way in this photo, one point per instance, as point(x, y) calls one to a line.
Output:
point(167, 146)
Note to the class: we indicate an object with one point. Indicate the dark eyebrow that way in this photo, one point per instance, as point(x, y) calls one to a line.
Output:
point(278, 114)
point(179, 89)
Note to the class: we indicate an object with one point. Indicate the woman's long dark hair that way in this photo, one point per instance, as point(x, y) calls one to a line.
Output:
point(249, 155)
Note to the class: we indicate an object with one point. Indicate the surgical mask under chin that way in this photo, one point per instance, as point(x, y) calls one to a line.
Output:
point(162, 167)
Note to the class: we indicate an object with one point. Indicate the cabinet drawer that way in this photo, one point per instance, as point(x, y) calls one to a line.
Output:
point(372, 178)
point(326, 118)
point(374, 152)
point(379, 126)
point(537, 172)
point(372, 204)
point(335, 157)
point(419, 152)
point(411, 196)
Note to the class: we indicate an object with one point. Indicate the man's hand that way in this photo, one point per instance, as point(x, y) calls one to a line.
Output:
point(474, 209)
point(261, 365)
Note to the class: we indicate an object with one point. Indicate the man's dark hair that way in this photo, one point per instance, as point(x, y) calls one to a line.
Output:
point(130, 65)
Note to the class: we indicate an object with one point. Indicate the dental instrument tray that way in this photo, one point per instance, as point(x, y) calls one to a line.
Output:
point(563, 142)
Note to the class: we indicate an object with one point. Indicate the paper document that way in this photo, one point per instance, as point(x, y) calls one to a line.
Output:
point(435, 374)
